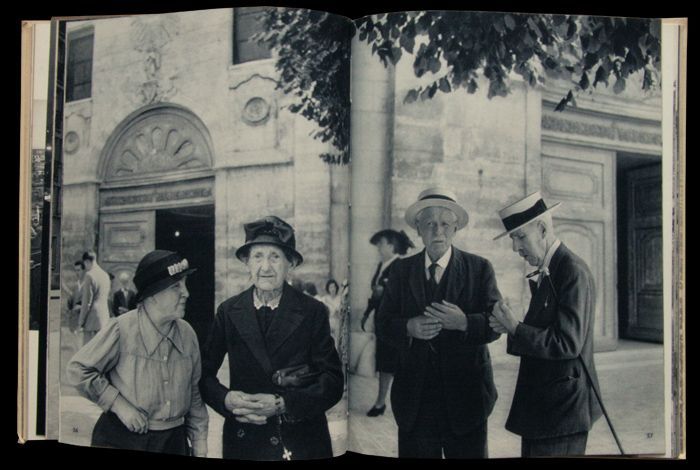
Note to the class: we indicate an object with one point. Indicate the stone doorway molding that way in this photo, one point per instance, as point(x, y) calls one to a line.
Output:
point(158, 142)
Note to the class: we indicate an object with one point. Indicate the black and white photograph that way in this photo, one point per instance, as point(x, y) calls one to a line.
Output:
point(282, 234)
point(521, 154)
point(204, 243)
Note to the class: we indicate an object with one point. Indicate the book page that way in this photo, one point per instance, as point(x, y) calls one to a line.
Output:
point(474, 158)
point(183, 138)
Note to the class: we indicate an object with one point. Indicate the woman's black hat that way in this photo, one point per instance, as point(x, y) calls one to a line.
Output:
point(270, 230)
point(399, 240)
point(159, 270)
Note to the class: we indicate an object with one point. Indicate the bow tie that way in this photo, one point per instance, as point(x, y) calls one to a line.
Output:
point(543, 271)
point(533, 274)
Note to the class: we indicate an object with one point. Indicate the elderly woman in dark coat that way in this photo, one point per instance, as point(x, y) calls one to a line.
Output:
point(284, 369)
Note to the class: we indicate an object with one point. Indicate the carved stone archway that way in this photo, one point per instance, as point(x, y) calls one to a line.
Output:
point(154, 141)
point(158, 157)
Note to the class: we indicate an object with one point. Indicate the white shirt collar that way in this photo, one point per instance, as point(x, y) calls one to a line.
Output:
point(387, 263)
point(550, 253)
point(273, 304)
point(442, 262)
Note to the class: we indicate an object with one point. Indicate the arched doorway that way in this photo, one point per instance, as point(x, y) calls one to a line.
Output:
point(157, 192)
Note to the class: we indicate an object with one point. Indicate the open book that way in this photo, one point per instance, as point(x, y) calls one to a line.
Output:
point(382, 157)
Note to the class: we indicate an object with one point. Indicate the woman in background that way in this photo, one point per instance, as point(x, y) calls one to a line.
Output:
point(390, 244)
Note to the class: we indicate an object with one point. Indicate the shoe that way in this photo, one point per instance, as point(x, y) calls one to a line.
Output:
point(376, 411)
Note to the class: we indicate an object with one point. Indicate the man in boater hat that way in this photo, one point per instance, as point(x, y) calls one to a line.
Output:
point(554, 405)
point(435, 311)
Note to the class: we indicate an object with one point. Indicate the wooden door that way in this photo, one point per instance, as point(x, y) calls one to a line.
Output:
point(582, 179)
point(644, 255)
point(124, 238)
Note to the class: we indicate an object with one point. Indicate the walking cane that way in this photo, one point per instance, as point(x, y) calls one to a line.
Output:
point(590, 381)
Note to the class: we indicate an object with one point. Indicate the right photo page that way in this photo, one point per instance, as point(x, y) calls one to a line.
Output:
point(506, 242)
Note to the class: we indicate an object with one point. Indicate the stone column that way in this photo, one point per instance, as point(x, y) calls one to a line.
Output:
point(339, 218)
point(371, 148)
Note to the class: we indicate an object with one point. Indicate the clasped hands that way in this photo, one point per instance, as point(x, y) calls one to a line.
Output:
point(502, 320)
point(253, 408)
point(437, 316)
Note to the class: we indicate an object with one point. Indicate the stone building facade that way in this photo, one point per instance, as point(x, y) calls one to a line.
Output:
point(177, 140)
point(491, 152)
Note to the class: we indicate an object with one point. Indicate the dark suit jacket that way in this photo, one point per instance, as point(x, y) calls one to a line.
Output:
point(119, 300)
point(552, 396)
point(298, 334)
point(465, 362)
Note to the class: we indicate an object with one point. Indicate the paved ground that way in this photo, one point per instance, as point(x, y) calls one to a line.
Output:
point(631, 381)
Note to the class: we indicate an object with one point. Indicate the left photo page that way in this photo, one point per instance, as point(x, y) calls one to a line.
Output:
point(204, 230)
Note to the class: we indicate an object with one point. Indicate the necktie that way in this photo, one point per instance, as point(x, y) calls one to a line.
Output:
point(432, 289)
point(433, 274)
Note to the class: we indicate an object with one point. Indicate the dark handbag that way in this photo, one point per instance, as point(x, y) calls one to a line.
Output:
point(295, 376)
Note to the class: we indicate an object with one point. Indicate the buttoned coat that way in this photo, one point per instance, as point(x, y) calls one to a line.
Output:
point(553, 396)
point(298, 334)
point(94, 310)
point(465, 366)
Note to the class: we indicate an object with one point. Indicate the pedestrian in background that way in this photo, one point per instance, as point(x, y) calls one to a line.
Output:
point(94, 309)
point(390, 244)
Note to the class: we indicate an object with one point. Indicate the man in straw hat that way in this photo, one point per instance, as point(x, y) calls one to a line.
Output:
point(553, 406)
point(435, 311)
point(284, 370)
point(143, 367)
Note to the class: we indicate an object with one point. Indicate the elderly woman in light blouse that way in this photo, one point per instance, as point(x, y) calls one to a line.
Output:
point(144, 367)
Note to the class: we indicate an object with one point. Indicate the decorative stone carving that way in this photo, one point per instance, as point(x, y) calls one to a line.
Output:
point(158, 196)
point(605, 131)
point(159, 141)
point(151, 36)
point(256, 111)
point(71, 142)
point(77, 121)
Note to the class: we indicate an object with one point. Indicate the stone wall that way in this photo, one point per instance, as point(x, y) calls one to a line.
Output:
point(263, 158)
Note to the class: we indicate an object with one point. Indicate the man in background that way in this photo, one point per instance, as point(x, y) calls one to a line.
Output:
point(75, 299)
point(94, 311)
point(124, 298)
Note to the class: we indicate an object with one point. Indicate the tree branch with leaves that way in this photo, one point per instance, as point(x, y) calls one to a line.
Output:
point(457, 48)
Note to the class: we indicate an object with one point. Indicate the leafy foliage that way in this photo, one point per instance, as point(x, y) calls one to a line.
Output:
point(313, 60)
point(457, 48)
